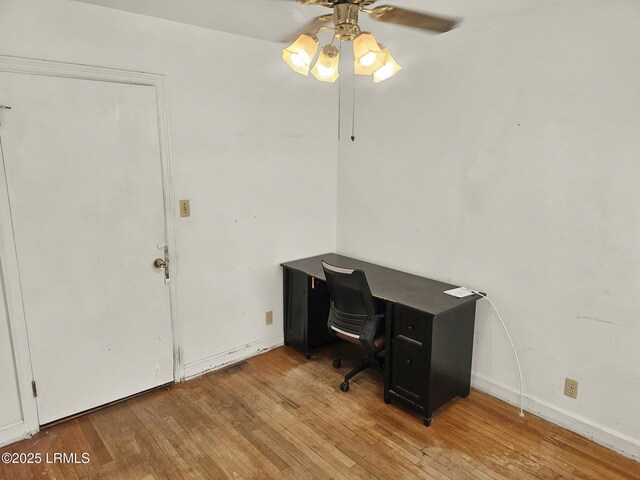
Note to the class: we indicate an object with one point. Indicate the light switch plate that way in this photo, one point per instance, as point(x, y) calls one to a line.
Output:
point(185, 208)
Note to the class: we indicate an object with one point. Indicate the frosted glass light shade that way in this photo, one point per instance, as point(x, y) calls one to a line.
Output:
point(367, 54)
point(300, 53)
point(389, 68)
point(326, 68)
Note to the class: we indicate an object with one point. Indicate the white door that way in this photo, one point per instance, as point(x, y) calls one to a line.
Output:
point(82, 161)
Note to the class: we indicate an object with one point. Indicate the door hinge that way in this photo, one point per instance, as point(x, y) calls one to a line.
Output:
point(33, 388)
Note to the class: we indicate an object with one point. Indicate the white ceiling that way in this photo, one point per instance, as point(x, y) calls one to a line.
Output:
point(275, 19)
point(264, 19)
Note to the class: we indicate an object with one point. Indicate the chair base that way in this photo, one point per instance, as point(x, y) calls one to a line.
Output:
point(363, 365)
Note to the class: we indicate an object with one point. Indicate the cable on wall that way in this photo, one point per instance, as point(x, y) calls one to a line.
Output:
point(515, 352)
point(353, 117)
point(339, 98)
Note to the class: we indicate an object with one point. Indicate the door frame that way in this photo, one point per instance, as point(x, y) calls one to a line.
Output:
point(9, 272)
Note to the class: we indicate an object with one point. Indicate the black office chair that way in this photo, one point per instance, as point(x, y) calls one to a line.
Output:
point(353, 316)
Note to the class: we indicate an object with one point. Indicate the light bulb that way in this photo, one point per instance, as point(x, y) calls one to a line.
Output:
point(300, 59)
point(384, 71)
point(388, 69)
point(300, 53)
point(324, 71)
point(326, 67)
point(368, 57)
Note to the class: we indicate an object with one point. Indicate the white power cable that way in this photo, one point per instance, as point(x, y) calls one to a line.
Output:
point(515, 353)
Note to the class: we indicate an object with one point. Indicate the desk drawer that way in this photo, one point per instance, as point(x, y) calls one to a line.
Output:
point(409, 373)
point(411, 326)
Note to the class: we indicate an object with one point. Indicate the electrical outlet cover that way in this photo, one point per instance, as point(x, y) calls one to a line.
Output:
point(185, 208)
point(571, 388)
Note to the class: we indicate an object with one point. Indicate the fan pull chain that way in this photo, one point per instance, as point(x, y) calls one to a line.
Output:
point(353, 116)
point(339, 98)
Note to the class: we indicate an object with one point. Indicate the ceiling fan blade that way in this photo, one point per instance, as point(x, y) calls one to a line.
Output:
point(409, 18)
point(323, 3)
point(310, 27)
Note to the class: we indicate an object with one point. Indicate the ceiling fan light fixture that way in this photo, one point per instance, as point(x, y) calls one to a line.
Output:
point(367, 54)
point(326, 67)
point(300, 53)
point(388, 69)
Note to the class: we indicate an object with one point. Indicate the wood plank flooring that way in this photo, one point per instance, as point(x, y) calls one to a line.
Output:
point(280, 416)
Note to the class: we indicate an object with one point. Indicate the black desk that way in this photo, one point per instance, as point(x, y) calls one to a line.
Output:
point(429, 335)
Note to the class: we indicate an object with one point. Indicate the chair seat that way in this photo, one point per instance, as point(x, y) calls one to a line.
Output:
point(378, 341)
point(347, 337)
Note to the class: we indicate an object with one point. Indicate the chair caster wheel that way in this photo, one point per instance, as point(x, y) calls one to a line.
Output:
point(337, 363)
point(308, 355)
point(426, 421)
point(344, 386)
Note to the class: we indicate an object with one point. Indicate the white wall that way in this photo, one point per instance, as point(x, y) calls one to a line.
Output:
point(259, 169)
point(505, 157)
point(10, 408)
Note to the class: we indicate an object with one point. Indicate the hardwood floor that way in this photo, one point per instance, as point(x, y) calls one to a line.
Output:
point(280, 416)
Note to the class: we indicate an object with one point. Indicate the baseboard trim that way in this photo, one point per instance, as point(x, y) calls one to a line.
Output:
point(600, 434)
point(233, 355)
point(14, 432)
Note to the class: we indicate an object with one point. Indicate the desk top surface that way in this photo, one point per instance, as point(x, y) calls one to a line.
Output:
point(411, 290)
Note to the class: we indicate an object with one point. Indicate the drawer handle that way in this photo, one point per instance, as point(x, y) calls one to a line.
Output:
point(408, 361)
point(410, 327)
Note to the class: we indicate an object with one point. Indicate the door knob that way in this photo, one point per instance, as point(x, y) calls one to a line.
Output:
point(163, 263)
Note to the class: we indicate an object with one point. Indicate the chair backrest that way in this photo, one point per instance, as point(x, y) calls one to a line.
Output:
point(352, 303)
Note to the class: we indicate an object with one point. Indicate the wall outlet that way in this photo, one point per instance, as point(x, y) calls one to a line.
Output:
point(185, 208)
point(269, 317)
point(571, 388)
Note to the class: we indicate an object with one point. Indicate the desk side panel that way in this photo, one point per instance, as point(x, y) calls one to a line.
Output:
point(318, 314)
point(451, 355)
point(295, 308)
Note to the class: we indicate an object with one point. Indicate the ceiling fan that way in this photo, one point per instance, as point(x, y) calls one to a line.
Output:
point(371, 57)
